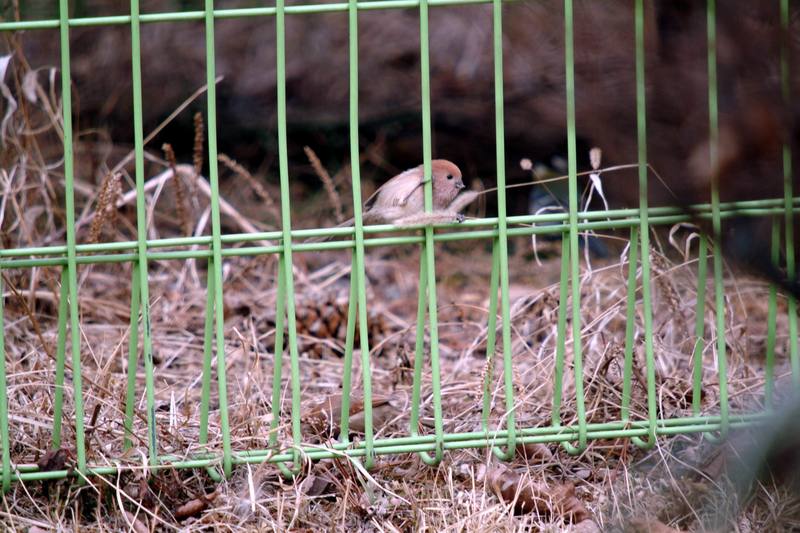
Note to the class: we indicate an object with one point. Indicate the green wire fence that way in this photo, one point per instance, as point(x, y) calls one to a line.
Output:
point(214, 248)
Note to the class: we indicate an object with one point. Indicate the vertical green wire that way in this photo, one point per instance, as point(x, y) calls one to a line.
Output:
point(573, 228)
point(208, 353)
point(502, 229)
point(491, 335)
point(280, 313)
point(216, 242)
point(358, 274)
point(630, 325)
point(719, 295)
point(141, 233)
point(280, 317)
point(561, 330)
point(699, 325)
point(349, 341)
point(644, 228)
point(428, 251)
point(286, 226)
point(794, 356)
point(133, 357)
point(5, 441)
point(61, 352)
point(769, 370)
point(419, 353)
point(72, 269)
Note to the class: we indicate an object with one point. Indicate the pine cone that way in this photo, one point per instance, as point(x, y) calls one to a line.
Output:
point(322, 325)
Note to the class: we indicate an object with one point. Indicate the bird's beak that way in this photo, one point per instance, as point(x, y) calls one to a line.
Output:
point(460, 185)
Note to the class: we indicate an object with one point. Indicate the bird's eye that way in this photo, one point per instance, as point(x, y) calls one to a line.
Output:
point(449, 176)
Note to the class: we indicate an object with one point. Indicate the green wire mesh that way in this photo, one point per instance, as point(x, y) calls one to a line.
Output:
point(218, 246)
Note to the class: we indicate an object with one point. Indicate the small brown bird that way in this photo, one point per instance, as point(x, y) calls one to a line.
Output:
point(404, 195)
point(401, 200)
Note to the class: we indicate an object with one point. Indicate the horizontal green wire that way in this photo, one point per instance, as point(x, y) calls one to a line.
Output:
point(609, 430)
point(231, 13)
point(334, 245)
point(744, 208)
point(345, 245)
point(331, 246)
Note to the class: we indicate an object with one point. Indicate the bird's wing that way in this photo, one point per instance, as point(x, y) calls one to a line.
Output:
point(396, 191)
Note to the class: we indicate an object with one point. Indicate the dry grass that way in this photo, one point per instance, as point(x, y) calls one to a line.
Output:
point(616, 481)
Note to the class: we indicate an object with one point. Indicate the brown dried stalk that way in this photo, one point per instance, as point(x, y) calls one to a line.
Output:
point(105, 210)
point(661, 270)
point(180, 192)
point(330, 188)
point(197, 154)
point(254, 184)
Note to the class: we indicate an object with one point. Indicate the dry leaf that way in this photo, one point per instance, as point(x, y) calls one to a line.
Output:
point(558, 500)
point(535, 452)
point(54, 460)
point(195, 507)
point(314, 485)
